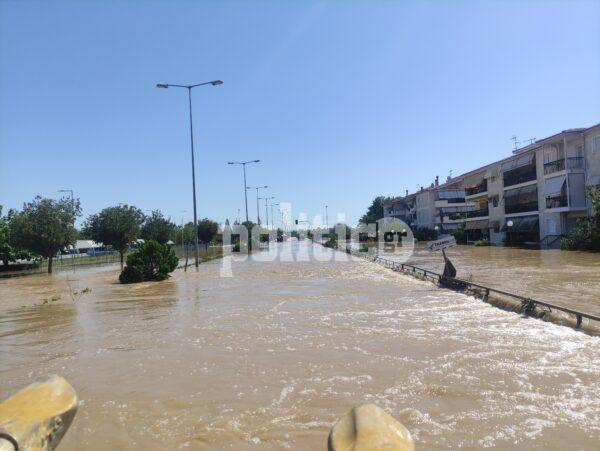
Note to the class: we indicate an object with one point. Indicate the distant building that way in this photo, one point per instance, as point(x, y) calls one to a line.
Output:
point(536, 195)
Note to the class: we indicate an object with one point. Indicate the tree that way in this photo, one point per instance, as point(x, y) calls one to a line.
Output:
point(207, 230)
point(115, 226)
point(151, 261)
point(157, 227)
point(585, 236)
point(7, 251)
point(46, 226)
point(375, 210)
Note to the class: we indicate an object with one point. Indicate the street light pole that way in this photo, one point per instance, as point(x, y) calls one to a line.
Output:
point(326, 219)
point(244, 163)
point(267, 208)
point(189, 88)
point(257, 199)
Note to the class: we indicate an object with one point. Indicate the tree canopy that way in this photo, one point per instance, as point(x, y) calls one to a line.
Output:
point(158, 228)
point(115, 226)
point(151, 261)
point(46, 226)
point(207, 230)
point(375, 210)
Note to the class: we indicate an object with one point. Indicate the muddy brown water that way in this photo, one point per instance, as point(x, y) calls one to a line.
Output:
point(269, 358)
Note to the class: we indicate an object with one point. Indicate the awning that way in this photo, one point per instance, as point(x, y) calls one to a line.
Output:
point(553, 186)
point(450, 194)
point(522, 224)
point(523, 160)
point(447, 227)
point(479, 224)
point(529, 189)
point(474, 180)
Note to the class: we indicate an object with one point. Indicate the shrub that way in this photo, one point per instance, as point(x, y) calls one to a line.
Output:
point(484, 242)
point(585, 236)
point(151, 261)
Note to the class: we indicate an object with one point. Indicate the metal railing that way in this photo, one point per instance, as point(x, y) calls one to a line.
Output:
point(557, 202)
point(478, 213)
point(527, 303)
point(554, 166)
point(481, 188)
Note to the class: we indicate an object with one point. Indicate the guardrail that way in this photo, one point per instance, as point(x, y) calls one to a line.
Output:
point(528, 304)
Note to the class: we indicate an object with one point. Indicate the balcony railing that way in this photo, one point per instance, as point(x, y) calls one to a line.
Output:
point(481, 188)
point(521, 207)
point(520, 175)
point(575, 162)
point(455, 200)
point(455, 216)
point(554, 166)
point(478, 213)
point(556, 202)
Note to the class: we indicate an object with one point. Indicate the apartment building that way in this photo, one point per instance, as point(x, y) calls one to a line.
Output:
point(535, 196)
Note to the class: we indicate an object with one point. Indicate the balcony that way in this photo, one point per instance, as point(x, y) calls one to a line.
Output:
point(481, 188)
point(554, 166)
point(575, 162)
point(520, 175)
point(478, 213)
point(557, 202)
point(521, 207)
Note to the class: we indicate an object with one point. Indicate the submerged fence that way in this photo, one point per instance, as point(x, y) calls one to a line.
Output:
point(503, 299)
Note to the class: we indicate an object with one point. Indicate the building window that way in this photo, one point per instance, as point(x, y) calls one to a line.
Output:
point(597, 143)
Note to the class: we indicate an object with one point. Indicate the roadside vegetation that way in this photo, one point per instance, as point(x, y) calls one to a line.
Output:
point(586, 234)
point(43, 233)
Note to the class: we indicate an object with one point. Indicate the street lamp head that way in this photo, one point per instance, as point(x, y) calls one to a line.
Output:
point(216, 82)
point(256, 161)
point(230, 162)
point(162, 85)
point(510, 223)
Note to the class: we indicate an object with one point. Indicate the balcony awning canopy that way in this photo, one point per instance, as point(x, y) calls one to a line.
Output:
point(553, 186)
point(471, 181)
point(529, 189)
point(522, 224)
point(451, 194)
point(458, 209)
point(447, 227)
point(523, 160)
point(479, 224)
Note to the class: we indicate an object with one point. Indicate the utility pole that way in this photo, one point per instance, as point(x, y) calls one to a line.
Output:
point(243, 164)
point(189, 88)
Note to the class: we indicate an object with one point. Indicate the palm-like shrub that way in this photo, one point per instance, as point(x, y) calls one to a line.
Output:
point(152, 261)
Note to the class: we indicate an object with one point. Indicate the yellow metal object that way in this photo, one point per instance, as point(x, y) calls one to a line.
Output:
point(369, 428)
point(37, 417)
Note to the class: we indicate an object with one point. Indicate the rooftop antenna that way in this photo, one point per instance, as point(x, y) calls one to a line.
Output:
point(514, 138)
point(531, 140)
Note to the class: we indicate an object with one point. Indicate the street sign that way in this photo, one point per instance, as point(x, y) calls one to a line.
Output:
point(441, 244)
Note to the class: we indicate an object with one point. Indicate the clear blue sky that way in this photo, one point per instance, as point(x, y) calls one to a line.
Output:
point(342, 101)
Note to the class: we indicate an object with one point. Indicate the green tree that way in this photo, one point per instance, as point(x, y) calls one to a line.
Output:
point(375, 210)
point(157, 227)
point(46, 226)
point(207, 230)
point(151, 261)
point(115, 226)
point(8, 253)
point(585, 236)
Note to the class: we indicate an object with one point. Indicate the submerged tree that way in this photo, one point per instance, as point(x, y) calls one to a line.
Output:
point(115, 226)
point(157, 227)
point(151, 261)
point(46, 226)
point(585, 235)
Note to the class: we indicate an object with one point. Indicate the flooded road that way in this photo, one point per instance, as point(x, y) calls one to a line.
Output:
point(567, 278)
point(270, 358)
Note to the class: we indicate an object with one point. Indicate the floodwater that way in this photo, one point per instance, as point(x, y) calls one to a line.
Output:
point(269, 358)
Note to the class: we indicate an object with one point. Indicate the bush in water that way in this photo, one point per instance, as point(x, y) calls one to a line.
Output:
point(152, 261)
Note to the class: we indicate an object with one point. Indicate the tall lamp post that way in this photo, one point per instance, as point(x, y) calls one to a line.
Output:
point(257, 199)
point(189, 88)
point(272, 215)
point(244, 163)
point(267, 209)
